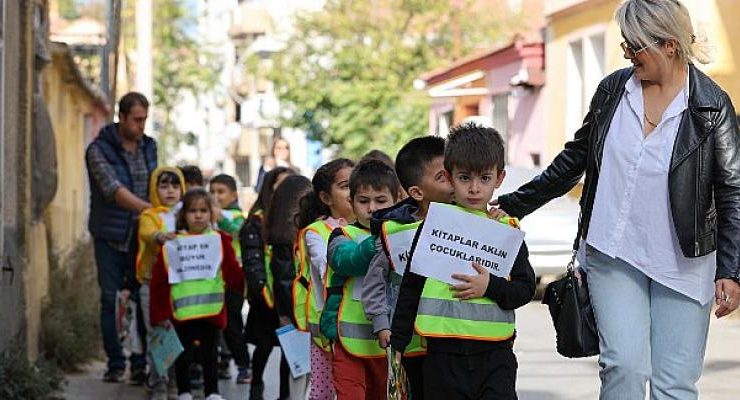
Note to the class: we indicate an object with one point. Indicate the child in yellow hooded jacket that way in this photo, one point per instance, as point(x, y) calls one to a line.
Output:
point(156, 226)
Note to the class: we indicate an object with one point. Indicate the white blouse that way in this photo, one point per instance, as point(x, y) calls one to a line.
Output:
point(631, 217)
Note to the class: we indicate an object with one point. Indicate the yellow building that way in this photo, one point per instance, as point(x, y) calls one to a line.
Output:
point(78, 111)
point(582, 46)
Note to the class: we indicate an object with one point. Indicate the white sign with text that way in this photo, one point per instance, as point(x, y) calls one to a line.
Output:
point(193, 257)
point(452, 239)
point(399, 245)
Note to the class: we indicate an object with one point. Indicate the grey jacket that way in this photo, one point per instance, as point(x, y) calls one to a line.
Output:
point(380, 287)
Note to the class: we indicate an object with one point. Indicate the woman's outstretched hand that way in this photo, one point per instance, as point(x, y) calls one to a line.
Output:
point(726, 296)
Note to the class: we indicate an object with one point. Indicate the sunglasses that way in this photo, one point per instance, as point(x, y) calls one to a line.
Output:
point(631, 51)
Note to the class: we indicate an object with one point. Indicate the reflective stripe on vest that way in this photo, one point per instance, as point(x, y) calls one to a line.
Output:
point(441, 315)
point(198, 298)
point(355, 331)
point(267, 291)
point(397, 239)
point(305, 309)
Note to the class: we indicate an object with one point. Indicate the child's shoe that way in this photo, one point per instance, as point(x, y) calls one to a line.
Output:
point(214, 396)
point(159, 391)
point(185, 396)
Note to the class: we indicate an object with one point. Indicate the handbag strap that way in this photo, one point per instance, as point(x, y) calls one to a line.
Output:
point(576, 242)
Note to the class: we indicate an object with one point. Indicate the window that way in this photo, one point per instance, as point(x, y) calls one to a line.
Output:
point(444, 122)
point(584, 71)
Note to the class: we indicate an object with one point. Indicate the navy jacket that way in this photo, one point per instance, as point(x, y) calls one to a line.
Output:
point(108, 220)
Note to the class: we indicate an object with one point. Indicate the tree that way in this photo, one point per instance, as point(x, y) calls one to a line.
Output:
point(68, 9)
point(181, 65)
point(346, 75)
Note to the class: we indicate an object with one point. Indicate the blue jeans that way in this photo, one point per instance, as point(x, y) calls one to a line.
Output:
point(647, 333)
point(113, 265)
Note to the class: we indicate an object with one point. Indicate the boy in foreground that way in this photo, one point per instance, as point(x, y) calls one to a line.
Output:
point(469, 327)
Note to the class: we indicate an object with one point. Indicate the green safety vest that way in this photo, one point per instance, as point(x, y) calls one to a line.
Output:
point(397, 239)
point(234, 214)
point(355, 331)
point(199, 298)
point(440, 315)
point(305, 309)
point(268, 291)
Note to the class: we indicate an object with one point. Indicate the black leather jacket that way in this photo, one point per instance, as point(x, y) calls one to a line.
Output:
point(704, 176)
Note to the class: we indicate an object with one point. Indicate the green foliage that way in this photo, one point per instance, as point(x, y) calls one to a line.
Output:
point(182, 64)
point(23, 380)
point(347, 73)
point(68, 9)
point(70, 317)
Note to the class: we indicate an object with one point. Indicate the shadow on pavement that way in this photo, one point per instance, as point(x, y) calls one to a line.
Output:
point(720, 365)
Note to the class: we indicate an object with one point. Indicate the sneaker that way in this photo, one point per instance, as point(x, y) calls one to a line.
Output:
point(113, 375)
point(214, 396)
point(159, 392)
point(185, 396)
point(138, 376)
point(256, 391)
point(244, 375)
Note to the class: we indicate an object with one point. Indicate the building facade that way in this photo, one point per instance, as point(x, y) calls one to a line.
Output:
point(582, 46)
point(502, 88)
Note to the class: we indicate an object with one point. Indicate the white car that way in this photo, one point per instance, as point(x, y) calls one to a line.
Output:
point(549, 231)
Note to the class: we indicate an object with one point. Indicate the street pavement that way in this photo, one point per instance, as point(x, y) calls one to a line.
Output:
point(543, 374)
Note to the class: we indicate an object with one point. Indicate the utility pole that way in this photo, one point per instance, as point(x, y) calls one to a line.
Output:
point(109, 52)
point(105, 56)
point(144, 61)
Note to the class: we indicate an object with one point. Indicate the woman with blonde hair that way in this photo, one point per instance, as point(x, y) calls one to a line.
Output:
point(660, 208)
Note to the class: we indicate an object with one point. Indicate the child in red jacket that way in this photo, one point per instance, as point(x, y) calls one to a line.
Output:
point(188, 284)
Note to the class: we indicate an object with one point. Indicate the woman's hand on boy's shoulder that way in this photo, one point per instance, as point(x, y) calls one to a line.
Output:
point(473, 286)
point(495, 212)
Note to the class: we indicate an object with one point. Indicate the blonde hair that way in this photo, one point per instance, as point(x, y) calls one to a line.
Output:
point(643, 22)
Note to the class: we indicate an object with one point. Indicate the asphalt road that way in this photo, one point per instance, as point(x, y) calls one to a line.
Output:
point(543, 374)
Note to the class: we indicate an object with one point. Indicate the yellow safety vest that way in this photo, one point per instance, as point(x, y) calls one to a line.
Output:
point(440, 315)
point(268, 291)
point(197, 298)
point(305, 309)
point(397, 239)
point(355, 331)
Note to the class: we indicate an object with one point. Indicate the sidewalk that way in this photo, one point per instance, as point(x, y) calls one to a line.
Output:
point(89, 385)
point(543, 374)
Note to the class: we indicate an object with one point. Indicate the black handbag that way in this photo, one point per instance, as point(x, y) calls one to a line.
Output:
point(570, 308)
